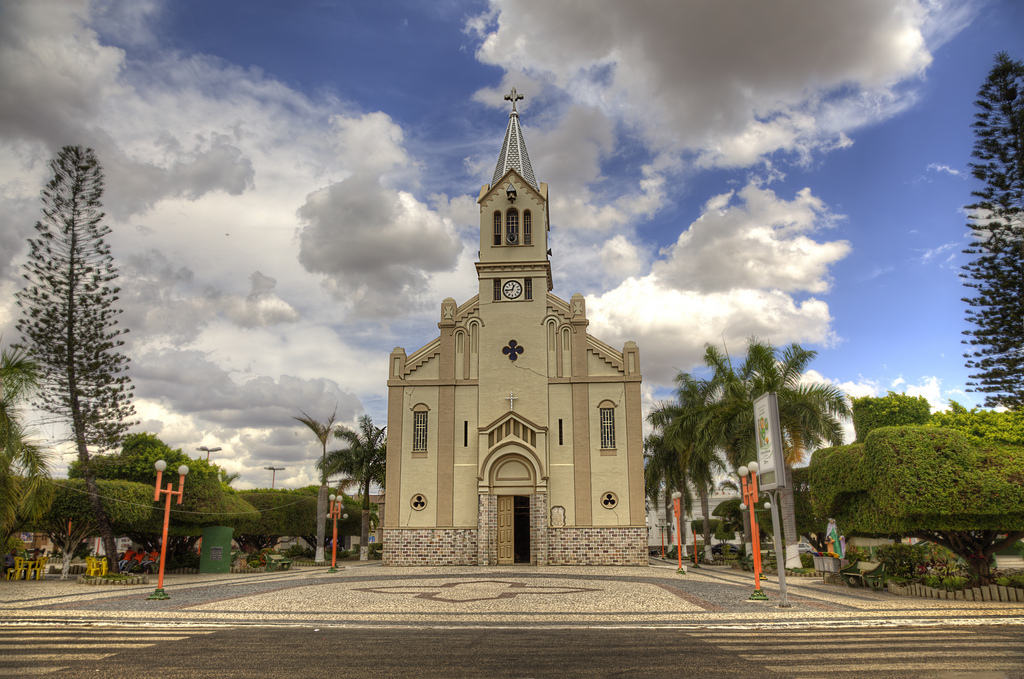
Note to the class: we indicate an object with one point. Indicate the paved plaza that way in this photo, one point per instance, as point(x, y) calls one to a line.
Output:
point(373, 595)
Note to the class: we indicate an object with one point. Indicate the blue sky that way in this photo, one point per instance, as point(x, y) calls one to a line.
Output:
point(291, 185)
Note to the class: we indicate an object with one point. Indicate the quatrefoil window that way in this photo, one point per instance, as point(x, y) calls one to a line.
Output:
point(512, 350)
point(418, 501)
point(609, 500)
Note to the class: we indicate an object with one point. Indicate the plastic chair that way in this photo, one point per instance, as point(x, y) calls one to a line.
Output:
point(19, 570)
point(95, 566)
point(35, 569)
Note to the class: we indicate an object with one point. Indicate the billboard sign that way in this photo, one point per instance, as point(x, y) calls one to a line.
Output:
point(772, 471)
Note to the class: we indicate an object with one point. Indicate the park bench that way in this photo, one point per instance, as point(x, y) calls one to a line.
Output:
point(278, 562)
point(864, 574)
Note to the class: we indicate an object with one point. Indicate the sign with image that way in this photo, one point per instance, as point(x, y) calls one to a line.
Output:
point(771, 473)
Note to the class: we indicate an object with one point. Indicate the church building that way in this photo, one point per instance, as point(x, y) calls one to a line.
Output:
point(515, 436)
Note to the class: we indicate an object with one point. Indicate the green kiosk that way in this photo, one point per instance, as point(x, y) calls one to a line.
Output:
point(215, 553)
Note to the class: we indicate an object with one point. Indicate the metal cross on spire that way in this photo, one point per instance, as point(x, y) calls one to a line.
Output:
point(513, 96)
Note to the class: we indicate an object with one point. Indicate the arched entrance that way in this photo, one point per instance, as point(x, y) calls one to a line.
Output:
point(512, 481)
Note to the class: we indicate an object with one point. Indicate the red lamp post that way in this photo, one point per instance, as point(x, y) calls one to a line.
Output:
point(182, 470)
point(335, 514)
point(677, 510)
point(750, 500)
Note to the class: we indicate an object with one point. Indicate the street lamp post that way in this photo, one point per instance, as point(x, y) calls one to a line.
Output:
point(204, 449)
point(661, 526)
point(182, 470)
point(273, 477)
point(750, 500)
point(677, 510)
point(335, 513)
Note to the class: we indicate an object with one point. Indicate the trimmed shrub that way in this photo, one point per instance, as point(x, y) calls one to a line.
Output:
point(892, 410)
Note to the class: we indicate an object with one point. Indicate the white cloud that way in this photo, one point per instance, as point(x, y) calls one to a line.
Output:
point(375, 245)
point(790, 77)
point(755, 241)
point(940, 167)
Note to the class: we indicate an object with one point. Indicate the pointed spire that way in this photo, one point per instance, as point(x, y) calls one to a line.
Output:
point(513, 149)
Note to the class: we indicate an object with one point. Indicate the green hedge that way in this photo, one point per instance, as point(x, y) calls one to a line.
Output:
point(892, 410)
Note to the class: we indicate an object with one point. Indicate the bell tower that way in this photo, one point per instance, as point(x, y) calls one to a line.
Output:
point(514, 264)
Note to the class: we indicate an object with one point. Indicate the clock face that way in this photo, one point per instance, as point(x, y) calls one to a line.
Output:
point(512, 289)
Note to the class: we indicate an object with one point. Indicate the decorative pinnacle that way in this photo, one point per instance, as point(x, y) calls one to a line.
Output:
point(513, 96)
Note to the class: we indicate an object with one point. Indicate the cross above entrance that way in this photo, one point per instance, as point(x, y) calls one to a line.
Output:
point(511, 399)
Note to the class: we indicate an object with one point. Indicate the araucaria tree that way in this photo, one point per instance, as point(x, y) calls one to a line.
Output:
point(996, 270)
point(68, 322)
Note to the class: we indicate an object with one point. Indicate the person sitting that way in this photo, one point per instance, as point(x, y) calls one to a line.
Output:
point(147, 560)
point(126, 560)
point(9, 561)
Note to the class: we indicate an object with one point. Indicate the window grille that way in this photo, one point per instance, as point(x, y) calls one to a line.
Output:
point(497, 289)
point(497, 228)
point(528, 287)
point(527, 228)
point(607, 428)
point(419, 430)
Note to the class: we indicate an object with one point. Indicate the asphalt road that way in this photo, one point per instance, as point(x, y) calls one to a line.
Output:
point(981, 652)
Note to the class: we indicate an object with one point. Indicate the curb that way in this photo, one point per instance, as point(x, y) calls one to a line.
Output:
point(99, 580)
point(994, 593)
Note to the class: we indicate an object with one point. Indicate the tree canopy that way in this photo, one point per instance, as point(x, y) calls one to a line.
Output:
point(927, 482)
point(206, 501)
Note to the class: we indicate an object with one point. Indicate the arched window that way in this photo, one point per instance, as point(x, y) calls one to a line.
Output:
point(527, 228)
point(607, 409)
point(497, 228)
point(419, 428)
point(512, 226)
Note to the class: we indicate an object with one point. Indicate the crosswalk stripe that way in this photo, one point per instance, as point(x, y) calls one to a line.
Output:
point(879, 631)
point(39, 670)
point(937, 644)
point(104, 632)
point(845, 657)
point(98, 644)
point(61, 657)
point(820, 669)
point(146, 640)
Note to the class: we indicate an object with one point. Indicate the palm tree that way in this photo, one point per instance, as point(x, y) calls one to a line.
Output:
point(664, 474)
point(362, 460)
point(24, 472)
point(682, 423)
point(809, 414)
point(322, 431)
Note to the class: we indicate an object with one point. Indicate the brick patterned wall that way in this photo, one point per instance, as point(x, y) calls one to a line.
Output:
point(487, 520)
point(430, 547)
point(539, 529)
point(618, 546)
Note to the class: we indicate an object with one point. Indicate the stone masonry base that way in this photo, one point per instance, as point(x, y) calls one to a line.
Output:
point(568, 546)
point(430, 547)
point(615, 546)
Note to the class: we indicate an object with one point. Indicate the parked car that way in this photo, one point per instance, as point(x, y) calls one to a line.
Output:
point(805, 548)
point(725, 548)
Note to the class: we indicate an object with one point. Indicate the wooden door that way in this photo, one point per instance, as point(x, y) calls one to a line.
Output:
point(506, 534)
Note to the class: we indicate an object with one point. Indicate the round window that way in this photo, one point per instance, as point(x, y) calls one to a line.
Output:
point(418, 501)
point(609, 500)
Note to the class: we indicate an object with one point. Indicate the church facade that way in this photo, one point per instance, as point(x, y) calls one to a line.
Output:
point(514, 436)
